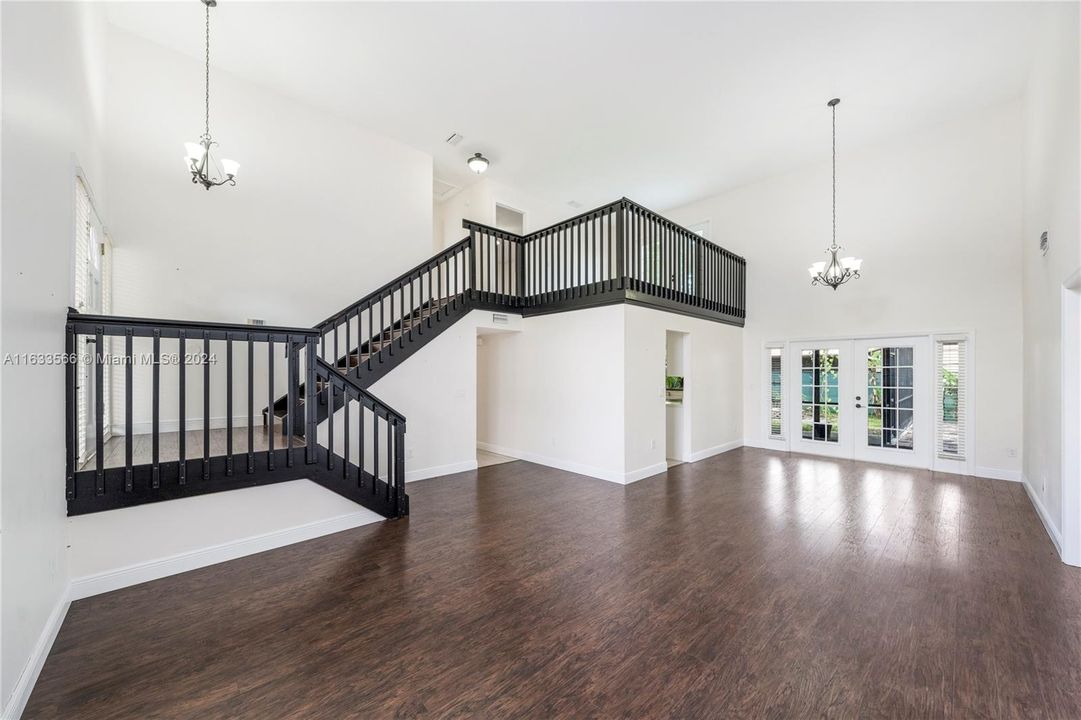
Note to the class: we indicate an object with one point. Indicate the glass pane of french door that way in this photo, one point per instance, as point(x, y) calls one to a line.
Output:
point(892, 399)
point(889, 397)
point(820, 418)
point(820, 394)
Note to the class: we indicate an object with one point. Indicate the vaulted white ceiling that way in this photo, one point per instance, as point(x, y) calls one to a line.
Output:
point(661, 102)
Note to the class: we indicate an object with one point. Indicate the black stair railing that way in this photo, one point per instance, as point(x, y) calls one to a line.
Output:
point(370, 331)
point(197, 386)
point(365, 440)
point(183, 452)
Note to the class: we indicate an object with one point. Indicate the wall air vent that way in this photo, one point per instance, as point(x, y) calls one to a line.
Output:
point(256, 321)
point(499, 319)
point(1043, 243)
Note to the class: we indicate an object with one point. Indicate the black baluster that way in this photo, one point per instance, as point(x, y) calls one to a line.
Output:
point(251, 404)
point(332, 399)
point(270, 402)
point(206, 405)
point(155, 420)
point(228, 404)
point(129, 360)
point(182, 437)
point(99, 408)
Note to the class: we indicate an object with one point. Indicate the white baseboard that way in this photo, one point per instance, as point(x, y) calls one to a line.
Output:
point(1045, 517)
point(163, 567)
point(560, 464)
point(190, 424)
point(613, 476)
point(439, 470)
point(716, 450)
point(644, 472)
point(29, 676)
point(997, 474)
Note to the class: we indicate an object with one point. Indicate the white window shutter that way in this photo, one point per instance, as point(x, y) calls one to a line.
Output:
point(951, 399)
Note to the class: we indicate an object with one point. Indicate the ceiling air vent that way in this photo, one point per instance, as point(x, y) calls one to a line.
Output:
point(454, 139)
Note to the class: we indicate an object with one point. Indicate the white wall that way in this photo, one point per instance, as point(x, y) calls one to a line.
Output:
point(712, 394)
point(477, 203)
point(584, 391)
point(936, 217)
point(1051, 203)
point(316, 195)
point(52, 100)
point(555, 392)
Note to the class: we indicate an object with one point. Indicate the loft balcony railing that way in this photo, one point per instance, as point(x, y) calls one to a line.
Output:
point(621, 252)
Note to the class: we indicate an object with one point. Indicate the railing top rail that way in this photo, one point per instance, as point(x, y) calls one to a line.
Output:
point(118, 321)
point(577, 218)
point(387, 287)
point(661, 218)
point(490, 230)
point(589, 214)
point(333, 375)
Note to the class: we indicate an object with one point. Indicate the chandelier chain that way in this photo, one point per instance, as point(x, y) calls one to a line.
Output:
point(834, 109)
point(207, 94)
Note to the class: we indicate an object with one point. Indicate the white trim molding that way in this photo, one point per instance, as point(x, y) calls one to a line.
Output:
point(1045, 517)
point(138, 573)
point(16, 703)
point(993, 473)
point(715, 450)
point(440, 470)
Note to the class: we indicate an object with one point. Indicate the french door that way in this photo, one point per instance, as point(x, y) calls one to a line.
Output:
point(867, 399)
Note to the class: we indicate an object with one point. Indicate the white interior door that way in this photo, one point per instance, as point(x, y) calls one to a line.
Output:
point(821, 414)
point(893, 385)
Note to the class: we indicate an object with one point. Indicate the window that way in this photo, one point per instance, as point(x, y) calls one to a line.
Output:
point(820, 390)
point(92, 294)
point(776, 414)
point(950, 398)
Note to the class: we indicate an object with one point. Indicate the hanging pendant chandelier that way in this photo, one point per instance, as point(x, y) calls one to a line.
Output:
point(205, 169)
point(836, 271)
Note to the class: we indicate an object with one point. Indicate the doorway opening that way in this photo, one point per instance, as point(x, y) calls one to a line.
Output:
point(509, 219)
point(489, 367)
point(676, 417)
point(874, 400)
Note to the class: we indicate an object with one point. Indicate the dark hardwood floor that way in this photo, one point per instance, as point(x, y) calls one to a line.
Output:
point(752, 584)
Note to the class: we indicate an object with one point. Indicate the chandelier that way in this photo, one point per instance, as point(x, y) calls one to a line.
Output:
point(837, 271)
point(205, 169)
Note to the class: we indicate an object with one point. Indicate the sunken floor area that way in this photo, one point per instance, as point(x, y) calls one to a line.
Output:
point(752, 584)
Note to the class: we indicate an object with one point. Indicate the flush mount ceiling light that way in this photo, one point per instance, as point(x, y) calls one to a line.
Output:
point(203, 166)
point(478, 163)
point(836, 272)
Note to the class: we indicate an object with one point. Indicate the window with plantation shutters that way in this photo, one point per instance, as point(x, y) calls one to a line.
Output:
point(776, 400)
point(951, 398)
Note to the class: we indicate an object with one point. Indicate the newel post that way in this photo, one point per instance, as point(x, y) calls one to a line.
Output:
point(621, 242)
